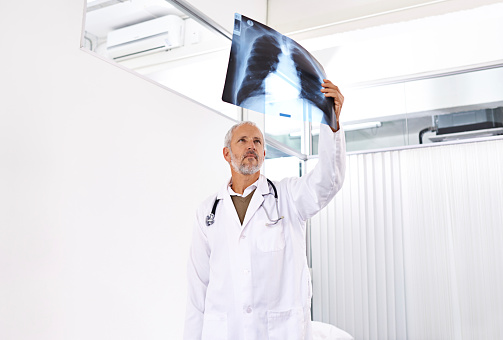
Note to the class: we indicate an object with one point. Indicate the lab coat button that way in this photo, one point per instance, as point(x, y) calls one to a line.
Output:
point(249, 310)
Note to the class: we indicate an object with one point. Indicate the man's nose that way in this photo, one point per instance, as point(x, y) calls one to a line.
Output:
point(251, 145)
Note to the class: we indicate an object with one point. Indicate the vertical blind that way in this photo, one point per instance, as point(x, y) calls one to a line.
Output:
point(411, 247)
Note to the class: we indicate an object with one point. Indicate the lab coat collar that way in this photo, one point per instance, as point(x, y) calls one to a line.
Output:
point(263, 186)
point(223, 192)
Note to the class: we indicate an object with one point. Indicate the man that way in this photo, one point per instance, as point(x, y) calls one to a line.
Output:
point(247, 272)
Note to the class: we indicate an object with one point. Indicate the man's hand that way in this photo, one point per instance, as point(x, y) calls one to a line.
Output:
point(330, 90)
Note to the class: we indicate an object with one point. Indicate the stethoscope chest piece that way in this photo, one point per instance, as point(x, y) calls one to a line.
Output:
point(210, 219)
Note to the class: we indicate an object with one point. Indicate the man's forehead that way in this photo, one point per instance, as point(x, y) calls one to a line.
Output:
point(247, 130)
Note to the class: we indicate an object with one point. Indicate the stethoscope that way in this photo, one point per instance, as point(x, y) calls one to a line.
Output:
point(210, 219)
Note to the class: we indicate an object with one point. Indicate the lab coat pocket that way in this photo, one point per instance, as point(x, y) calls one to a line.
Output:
point(214, 326)
point(286, 324)
point(271, 238)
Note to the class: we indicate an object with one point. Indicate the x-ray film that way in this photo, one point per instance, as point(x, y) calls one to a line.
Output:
point(272, 74)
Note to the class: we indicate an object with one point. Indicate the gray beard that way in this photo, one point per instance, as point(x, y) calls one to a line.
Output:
point(244, 169)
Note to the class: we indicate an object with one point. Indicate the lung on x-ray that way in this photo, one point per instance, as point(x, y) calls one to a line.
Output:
point(272, 74)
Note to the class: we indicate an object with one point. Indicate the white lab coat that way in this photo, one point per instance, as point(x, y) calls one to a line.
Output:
point(252, 281)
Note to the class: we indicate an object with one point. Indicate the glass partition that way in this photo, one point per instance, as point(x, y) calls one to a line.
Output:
point(285, 130)
point(440, 108)
point(282, 167)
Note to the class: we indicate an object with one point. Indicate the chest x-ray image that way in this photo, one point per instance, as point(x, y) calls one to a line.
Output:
point(272, 74)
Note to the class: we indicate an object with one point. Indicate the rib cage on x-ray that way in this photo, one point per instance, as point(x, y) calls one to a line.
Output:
point(309, 80)
point(263, 60)
point(270, 73)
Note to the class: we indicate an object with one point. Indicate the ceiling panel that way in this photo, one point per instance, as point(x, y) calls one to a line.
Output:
point(287, 16)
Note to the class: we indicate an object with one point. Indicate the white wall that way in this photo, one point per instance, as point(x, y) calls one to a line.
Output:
point(100, 173)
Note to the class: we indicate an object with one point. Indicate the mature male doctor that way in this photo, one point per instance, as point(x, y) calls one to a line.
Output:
point(248, 276)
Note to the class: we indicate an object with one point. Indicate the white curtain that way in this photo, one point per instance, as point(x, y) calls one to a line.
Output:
point(411, 248)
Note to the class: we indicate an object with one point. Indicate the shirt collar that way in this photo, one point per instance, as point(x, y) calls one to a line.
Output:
point(246, 192)
point(261, 185)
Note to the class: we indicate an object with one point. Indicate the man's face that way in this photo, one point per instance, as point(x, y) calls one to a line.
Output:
point(247, 150)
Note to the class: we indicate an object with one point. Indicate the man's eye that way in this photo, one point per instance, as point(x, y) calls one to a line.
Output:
point(258, 141)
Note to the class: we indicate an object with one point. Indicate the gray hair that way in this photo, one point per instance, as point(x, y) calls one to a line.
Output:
point(228, 135)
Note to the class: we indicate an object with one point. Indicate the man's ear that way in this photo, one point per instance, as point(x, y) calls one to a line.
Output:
point(227, 154)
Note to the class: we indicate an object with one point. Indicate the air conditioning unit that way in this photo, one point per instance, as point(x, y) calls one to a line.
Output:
point(155, 35)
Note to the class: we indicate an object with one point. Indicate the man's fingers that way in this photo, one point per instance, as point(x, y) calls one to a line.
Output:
point(328, 84)
point(329, 89)
point(335, 93)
